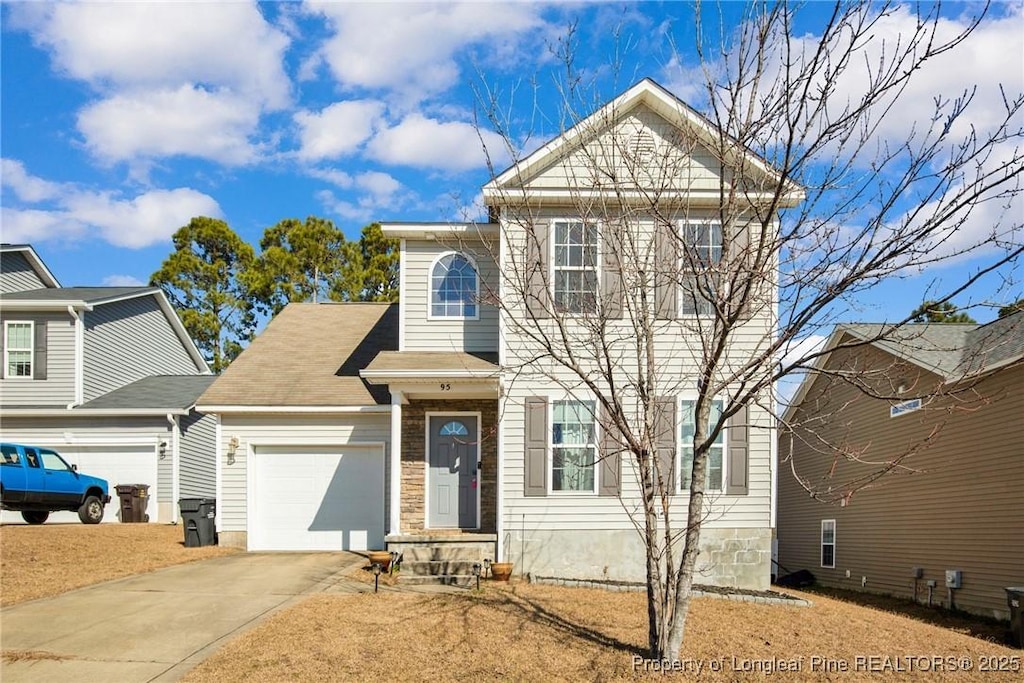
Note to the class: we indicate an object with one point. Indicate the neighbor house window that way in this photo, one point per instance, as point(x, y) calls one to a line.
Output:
point(575, 266)
point(702, 251)
point(454, 288)
point(828, 543)
point(573, 446)
point(18, 349)
point(713, 474)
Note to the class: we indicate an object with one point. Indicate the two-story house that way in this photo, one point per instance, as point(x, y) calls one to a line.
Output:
point(443, 421)
point(937, 408)
point(108, 377)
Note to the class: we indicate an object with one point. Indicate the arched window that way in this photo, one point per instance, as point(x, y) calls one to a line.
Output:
point(454, 288)
point(453, 428)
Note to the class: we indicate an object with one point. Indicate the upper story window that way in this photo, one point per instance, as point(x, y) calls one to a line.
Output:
point(454, 288)
point(714, 478)
point(18, 347)
point(573, 446)
point(702, 251)
point(575, 266)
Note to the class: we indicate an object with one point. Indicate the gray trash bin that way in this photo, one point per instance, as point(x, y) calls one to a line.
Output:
point(1015, 599)
point(198, 516)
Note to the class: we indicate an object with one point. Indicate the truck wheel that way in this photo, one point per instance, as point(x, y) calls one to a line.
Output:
point(35, 516)
point(91, 511)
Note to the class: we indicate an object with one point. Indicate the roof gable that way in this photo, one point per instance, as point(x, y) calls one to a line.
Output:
point(615, 146)
point(25, 254)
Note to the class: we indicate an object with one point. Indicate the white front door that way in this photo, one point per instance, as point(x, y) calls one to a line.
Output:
point(317, 498)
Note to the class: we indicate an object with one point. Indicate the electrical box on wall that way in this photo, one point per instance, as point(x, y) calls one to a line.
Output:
point(917, 572)
point(953, 578)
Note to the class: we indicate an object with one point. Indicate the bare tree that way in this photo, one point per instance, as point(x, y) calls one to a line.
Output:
point(699, 254)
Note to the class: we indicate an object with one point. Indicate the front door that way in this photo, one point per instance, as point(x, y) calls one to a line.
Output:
point(453, 458)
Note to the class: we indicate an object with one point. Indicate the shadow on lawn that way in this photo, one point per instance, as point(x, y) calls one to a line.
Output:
point(984, 628)
point(526, 610)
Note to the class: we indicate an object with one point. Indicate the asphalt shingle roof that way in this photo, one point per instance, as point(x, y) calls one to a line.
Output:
point(171, 392)
point(88, 294)
point(311, 355)
point(387, 361)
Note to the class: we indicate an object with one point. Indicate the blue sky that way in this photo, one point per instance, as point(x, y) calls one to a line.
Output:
point(122, 121)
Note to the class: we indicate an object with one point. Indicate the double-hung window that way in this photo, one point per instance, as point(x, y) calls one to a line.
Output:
point(714, 475)
point(828, 543)
point(18, 344)
point(454, 288)
point(702, 251)
point(575, 266)
point(573, 446)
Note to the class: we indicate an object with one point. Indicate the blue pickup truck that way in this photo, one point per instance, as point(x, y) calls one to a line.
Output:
point(36, 481)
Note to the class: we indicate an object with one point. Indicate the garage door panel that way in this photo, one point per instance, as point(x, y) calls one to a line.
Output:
point(116, 464)
point(317, 498)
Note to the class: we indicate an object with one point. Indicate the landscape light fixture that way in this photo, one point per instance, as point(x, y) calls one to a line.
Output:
point(476, 573)
point(376, 575)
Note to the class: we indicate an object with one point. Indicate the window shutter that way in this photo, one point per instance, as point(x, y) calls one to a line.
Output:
point(740, 258)
point(39, 357)
point(665, 440)
point(610, 471)
point(738, 439)
point(666, 267)
point(3, 340)
point(611, 275)
point(538, 252)
point(535, 474)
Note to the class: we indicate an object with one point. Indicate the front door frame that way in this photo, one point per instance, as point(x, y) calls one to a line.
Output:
point(427, 415)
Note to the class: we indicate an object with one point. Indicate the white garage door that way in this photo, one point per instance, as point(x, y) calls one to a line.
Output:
point(317, 498)
point(116, 464)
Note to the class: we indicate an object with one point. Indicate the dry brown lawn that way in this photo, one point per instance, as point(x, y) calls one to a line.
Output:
point(42, 561)
point(544, 633)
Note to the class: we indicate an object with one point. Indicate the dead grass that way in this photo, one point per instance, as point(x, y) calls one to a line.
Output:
point(533, 633)
point(31, 656)
point(42, 561)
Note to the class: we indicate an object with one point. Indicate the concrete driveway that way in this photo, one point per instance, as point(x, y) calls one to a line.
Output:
point(158, 626)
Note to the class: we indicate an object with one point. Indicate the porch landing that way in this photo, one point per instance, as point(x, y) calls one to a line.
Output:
point(441, 556)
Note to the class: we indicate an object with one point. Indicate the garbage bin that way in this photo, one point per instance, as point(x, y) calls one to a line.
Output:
point(198, 521)
point(134, 498)
point(1015, 599)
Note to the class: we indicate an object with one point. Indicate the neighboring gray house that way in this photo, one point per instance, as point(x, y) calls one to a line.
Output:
point(955, 503)
point(108, 377)
point(425, 424)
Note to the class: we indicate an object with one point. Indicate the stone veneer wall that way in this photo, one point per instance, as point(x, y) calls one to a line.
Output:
point(414, 458)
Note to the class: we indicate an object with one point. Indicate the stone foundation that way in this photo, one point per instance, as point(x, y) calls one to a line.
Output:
point(233, 539)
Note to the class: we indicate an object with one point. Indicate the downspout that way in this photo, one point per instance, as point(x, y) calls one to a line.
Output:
point(79, 321)
point(175, 465)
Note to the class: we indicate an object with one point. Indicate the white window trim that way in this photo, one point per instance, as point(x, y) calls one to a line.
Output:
point(31, 350)
point(680, 293)
point(430, 287)
point(553, 267)
point(551, 447)
point(680, 483)
point(821, 544)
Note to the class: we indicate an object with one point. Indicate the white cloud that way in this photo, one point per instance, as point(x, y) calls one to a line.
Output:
point(188, 120)
point(73, 213)
point(427, 143)
point(26, 187)
point(411, 48)
point(378, 184)
point(161, 44)
point(373, 192)
point(123, 281)
point(337, 130)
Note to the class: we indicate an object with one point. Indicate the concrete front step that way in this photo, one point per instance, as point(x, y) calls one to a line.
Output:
point(447, 580)
point(441, 568)
point(459, 553)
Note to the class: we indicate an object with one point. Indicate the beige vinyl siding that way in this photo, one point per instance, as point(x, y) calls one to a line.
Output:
point(288, 429)
point(58, 389)
point(197, 458)
point(128, 340)
point(961, 508)
point(425, 334)
point(694, 167)
point(17, 274)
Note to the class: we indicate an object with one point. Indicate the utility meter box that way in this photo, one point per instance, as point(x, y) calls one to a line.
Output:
point(953, 578)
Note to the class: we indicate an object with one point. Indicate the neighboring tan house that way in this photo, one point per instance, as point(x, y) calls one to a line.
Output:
point(106, 376)
point(954, 503)
point(421, 425)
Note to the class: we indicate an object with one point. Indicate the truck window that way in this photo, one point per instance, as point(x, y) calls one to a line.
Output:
point(52, 461)
point(31, 457)
point(9, 455)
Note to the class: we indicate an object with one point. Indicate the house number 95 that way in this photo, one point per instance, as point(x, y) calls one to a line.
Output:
point(446, 387)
